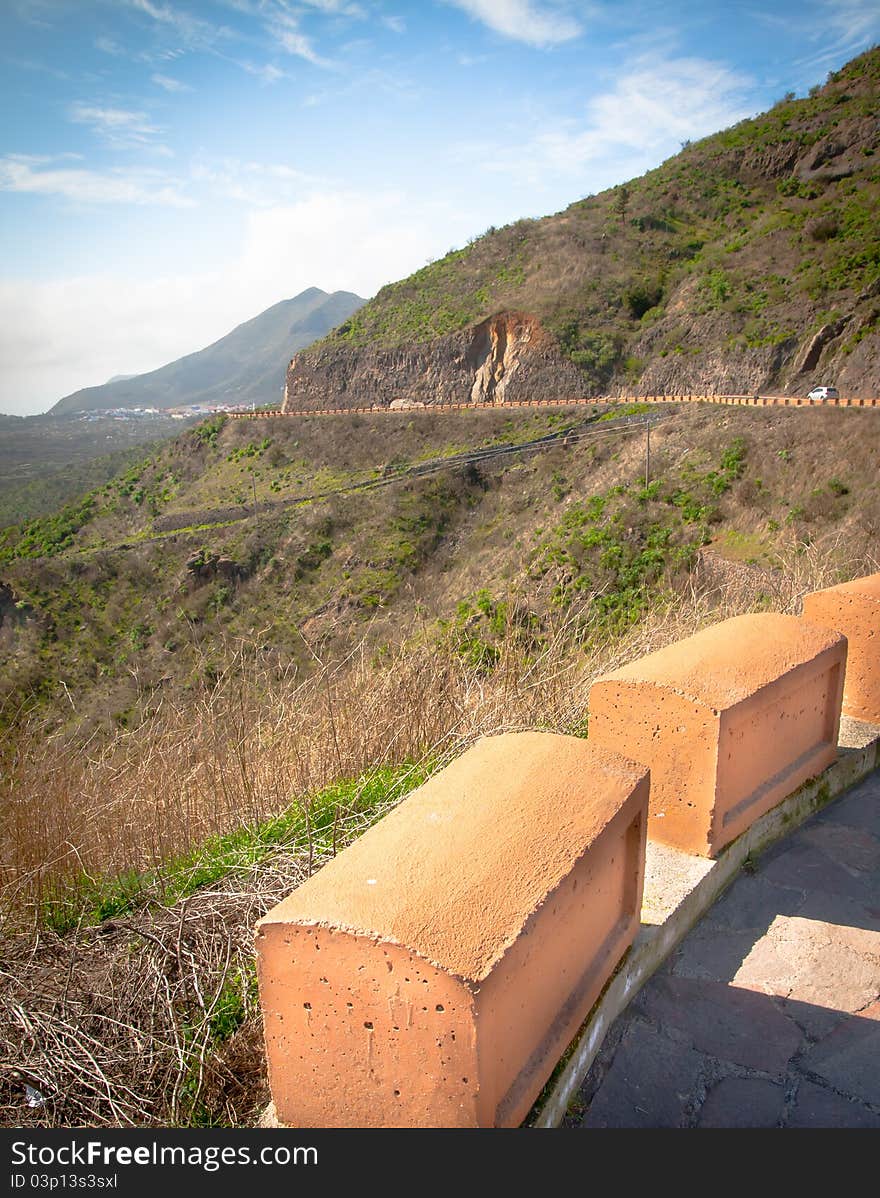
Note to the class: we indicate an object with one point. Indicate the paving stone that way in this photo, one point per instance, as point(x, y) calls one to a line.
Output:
point(804, 866)
point(817, 1107)
point(743, 1102)
point(751, 903)
point(859, 809)
point(845, 912)
point(652, 1082)
point(849, 1058)
point(800, 940)
point(722, 1021)
point(711, 953)
point(811, 962)
point(814, 1021)
point(855, 849)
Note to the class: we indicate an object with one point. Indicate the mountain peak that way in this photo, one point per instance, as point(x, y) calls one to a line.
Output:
point(245, 366)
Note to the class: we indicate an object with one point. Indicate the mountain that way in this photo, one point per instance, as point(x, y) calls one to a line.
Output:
point(750, 261)
point(245, 366)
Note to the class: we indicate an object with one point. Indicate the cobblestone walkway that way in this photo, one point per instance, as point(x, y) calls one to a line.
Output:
point(768, 1014)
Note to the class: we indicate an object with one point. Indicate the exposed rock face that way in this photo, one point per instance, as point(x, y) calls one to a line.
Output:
point(507, 357)
point(511, 357)
point(499, 346)
point(204, 567)
point(809, 358)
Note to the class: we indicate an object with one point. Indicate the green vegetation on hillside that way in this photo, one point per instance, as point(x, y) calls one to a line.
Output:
point(198, 715)
point(762, 228)
point(123, 592)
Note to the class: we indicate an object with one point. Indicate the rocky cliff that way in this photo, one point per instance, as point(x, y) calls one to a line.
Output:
point(509, 356)
point(748, 262)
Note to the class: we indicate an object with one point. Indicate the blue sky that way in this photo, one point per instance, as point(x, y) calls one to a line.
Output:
point(169, 169)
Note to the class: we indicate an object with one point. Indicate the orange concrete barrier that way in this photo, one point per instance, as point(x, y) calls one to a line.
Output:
point(730, 721)
point(853, 608)
point(433, 973)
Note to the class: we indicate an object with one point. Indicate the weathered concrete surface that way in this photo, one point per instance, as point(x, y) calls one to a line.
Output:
point(433, 973)
point(767, 1015)
point(730, 721)
point(853, 608)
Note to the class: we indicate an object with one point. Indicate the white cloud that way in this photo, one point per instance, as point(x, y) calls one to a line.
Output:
point(91, 187)
point(301, 46)
point(268, 73)
point(337, 7)
point(523, 20)
point(395, 24)
point(653, 107)
point(49, 344)
point(108, 46)
point(194, 32)
point(353, 241)
point(170, 85)
point(117, 126)
point(350, 240)
point(256, 184)
point(835, 29)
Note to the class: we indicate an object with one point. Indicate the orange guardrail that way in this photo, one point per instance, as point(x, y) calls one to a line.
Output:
point(760, 401)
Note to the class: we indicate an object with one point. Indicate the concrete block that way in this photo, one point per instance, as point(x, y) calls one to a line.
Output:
point(729, 721)
point(853, 608)
point(434, 972)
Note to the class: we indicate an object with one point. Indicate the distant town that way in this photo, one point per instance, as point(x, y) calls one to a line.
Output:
point(183, 412)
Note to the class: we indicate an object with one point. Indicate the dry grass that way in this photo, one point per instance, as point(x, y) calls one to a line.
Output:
point(261, 739)
point(127, 1022)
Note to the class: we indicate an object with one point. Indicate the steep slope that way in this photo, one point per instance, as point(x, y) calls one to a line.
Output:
point(131, 593)
point(245, 366)
point(749, 261)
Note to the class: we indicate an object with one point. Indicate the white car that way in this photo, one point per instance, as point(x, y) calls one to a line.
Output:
point(824, 393)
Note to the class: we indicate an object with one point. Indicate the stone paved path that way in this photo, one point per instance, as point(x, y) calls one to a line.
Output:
point(768, 1014)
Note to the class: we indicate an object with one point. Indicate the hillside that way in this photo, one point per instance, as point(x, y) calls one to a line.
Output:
point(748, 262)
point(132, 591)
point(46, 461)
point(246, 366)
point(203, 698)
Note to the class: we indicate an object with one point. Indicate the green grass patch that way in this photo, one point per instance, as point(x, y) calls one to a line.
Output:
point(317, 825)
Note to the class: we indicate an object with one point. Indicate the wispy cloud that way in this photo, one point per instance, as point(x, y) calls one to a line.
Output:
point(344, 8)
point(119, 127)
point(107, 45)
point(254, 184)
point(835, 29)
point(283, 26)
point(170, 85)
point(267, 73)
point(192, 31)
point(471, 60)
point(843, 27)
point(301, 46)
point(653, 107)
point(84, 186)
point(395, 24)
point(537, 25)
point(33, 64)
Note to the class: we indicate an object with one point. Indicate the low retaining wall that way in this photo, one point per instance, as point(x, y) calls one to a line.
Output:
point(679, 890)
point(434, 972)
point(729, 721)
point(854, 609)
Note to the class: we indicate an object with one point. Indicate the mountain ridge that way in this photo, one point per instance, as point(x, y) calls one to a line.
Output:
point(748, 261)
point(246, 365)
